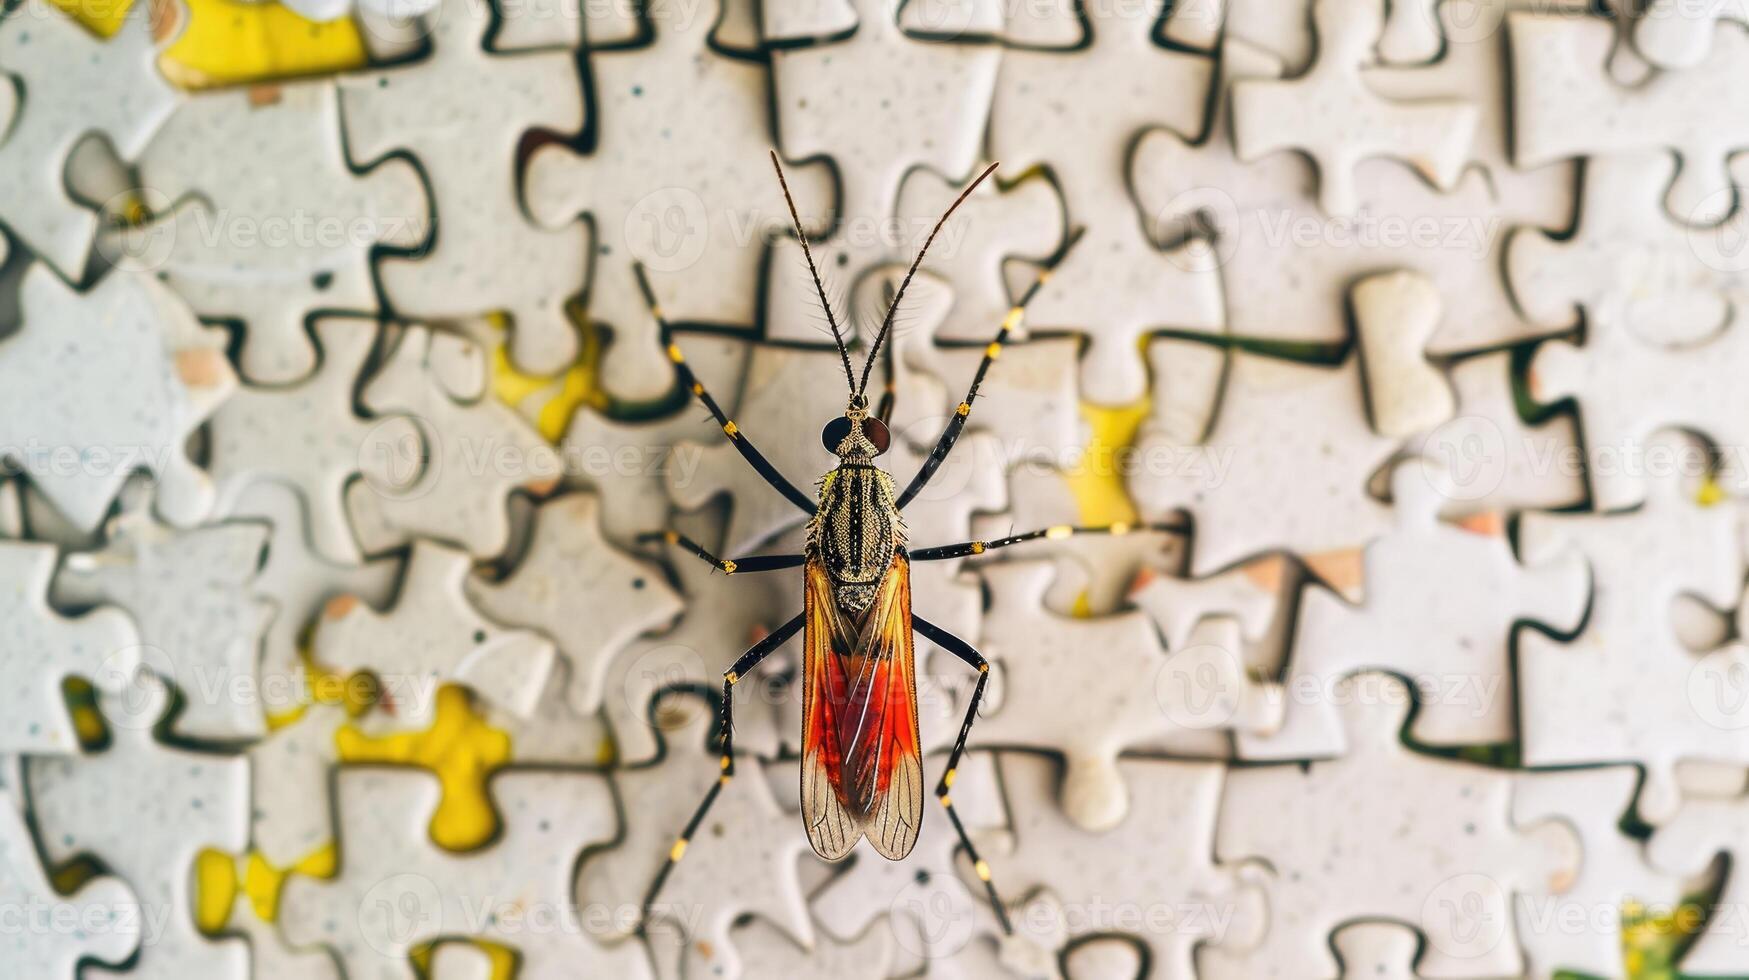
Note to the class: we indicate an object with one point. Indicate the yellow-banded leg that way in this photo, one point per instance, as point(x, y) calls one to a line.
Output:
point(955, 425)
point(755, 563)
point(726, 737)
point(1054, 533)
point(972, 658)
point(737, 438)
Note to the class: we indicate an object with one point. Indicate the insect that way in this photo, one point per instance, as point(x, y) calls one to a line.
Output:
point(862, 765)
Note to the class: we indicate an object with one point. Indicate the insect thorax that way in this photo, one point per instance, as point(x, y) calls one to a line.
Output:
point(856, 531)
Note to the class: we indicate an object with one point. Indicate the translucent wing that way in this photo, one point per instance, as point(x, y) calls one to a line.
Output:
point(862, 769)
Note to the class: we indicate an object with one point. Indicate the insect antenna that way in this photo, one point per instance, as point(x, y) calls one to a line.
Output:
point(819, 289)
point(887, 321)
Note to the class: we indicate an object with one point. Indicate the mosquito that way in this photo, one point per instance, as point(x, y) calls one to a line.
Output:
point(862, 762)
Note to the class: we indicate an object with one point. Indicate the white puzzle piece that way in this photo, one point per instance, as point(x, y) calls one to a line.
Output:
point(1435, 603)
point(1382, 833)
point(461, 112)
point(1687, 845)
point(454, 482)
point(746, 839)
point(1626, 689)
point(397, 891)
point(264, 222)
point(1675, 285)
point(1080, 115)
point(109, 909)
point(62, 82)
point(589, 597)
point(879, 104)
point(1615, 872)
point(646, 197)
point(307, 435)
point(292, 811)
point(1284, 466)
point(199, 610)
point(40, 649)
point(1566, 105)
point(178, 802)
point(431, 636)
point(1673, 35)
point(299, 584)
point(94, 385)
point(1153, 876)
point(1627, 390)
point(1331, 116)
point(1115, 662)
point(724, 615)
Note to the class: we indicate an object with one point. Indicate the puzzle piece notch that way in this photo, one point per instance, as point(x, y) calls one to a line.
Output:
point(1435, 603)
point(1566, 105)
point(178, 803)
point(431, 636)
point(40, 649)
point(1330, 114)
point(1455, 861)
point(1153, 875)
point(496, 99)
point(453, 482)
point(104, 905)
point(1080, 114)
point(1686, 845)
point(162, 375)
point(749, 839)
point(397, 890)
point(1628, 390)
point(263, 221)
point(704, 241)
point(573, 586)
point(61, 83)
point(1675, 285)
point(1629, 652)
point(1037, 655)
point(1280, 424)
point(299, 583)
point(307, 435)
point(1672, 34)
point(1615, 872)
point(200, 612)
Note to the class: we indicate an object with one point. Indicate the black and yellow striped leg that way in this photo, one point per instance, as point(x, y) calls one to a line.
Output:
point(736, 437)
point(726, 738)
point(756, 563)
point(955, 425)
point(1055, 532)
point(972, 658)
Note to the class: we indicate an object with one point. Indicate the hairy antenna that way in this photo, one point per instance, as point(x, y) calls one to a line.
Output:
point(808, 254)
point(887, 322)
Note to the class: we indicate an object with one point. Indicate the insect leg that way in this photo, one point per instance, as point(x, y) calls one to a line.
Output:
point(726, 734)
point(964, 651)
point(757, 563)
point(736, 437)
point(951, 434)
point(1054, 533)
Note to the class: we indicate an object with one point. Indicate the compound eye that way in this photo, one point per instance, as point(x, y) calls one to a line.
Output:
point(875, 431)
point(834, 434)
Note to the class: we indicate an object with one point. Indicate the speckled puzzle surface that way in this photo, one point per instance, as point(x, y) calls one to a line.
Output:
point(462, 517)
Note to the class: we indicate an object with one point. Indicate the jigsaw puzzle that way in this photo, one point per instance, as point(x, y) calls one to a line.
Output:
point(1327, 553)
